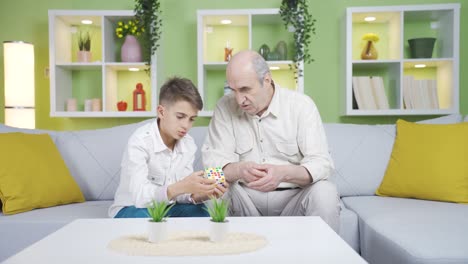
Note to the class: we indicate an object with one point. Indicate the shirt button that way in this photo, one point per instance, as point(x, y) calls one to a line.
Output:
point(259, 120)
point(263, 160)
point(261, 140)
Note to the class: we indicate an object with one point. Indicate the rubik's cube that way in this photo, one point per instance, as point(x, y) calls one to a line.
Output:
point(215, 174)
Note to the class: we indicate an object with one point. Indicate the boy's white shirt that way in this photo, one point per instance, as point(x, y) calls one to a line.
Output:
point(148, 167)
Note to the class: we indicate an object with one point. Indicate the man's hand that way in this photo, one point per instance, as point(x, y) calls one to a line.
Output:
point(272, 176)
point(245, 170)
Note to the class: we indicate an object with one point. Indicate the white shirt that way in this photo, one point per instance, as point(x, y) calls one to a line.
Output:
point(149, 166)
point(290, 131)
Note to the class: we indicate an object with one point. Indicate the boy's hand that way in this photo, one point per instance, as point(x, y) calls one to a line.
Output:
point(217, 193)
point(194, 183)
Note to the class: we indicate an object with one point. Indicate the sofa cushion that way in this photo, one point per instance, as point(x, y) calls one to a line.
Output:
point(198, 134)
point(349, 227)
point(9, 129)
point(33, 174)
point(428, 162)
point(361, 154)
point(401, 230)
point(94, 157)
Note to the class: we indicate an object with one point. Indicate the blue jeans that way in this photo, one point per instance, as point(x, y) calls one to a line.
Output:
point(178, 210)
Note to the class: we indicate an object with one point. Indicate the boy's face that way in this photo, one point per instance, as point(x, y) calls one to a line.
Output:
point(176, 120)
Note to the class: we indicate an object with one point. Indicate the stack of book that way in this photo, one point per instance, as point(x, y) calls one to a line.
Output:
point(369, 92)
point(420, 94)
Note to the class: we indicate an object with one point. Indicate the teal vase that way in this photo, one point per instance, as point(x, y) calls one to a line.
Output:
point(264, 50)
point(273, 56)
point(282, 50)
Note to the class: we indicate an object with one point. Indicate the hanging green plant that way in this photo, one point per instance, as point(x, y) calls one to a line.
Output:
point(296, 18)
point(148, 16)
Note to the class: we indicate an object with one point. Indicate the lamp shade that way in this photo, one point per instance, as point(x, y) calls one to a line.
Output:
point(19, 84)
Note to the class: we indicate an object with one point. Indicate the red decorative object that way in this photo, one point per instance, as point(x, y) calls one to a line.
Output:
point(139, 98)
point(122, 106)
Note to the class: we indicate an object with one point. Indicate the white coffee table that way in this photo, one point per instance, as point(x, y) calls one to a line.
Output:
point(290, 240)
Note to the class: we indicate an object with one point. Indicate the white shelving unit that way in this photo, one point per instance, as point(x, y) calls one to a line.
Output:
point(105, 77)
point(395, 25)
point(249, 29)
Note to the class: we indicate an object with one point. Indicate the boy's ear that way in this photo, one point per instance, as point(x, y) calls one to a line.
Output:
point(160, 111)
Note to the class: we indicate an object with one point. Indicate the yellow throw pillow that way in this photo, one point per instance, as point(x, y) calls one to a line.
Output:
point(33, 174)
point(428, 162)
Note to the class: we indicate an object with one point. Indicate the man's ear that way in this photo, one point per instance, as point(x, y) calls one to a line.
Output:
point(267, 80)
point(160, 111)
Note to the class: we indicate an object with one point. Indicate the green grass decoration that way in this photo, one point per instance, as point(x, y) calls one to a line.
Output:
point(158, 210)
point(218, 210)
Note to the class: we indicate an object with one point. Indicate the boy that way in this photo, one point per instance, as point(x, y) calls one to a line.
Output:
point(158, 162)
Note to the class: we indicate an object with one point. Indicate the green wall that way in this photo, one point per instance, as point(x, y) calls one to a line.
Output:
point(324, 79)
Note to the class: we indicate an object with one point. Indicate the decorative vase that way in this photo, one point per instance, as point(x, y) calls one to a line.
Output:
point(421, 47)
point(369, 52)
point(264, 50)
point(227, 54)
point(219, 231)
point(157, 231)
point(273, 56)
point(83, 56)
point(282, 50)
point(131, 49)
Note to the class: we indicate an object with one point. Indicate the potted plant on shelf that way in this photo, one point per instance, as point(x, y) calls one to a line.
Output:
point(131, 49)
point(157, 227)
point(148, 16)
point(84, 47)
point(296, 18)
point(219, 224)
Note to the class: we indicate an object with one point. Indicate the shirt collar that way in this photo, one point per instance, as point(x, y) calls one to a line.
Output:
point(274, 107)
point(158, 142)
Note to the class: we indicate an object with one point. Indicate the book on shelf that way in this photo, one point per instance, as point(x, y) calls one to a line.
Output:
point(379, 92)
point(420, 94)
point(369, 92)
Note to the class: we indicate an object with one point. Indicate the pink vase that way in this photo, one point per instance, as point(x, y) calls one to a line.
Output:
point(131, 50)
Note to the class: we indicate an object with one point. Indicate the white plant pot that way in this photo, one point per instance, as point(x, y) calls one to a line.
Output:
point(219, 231)
point(157, 231)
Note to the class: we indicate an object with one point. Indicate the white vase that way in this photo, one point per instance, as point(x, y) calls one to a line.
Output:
point(83, 56)
point(219, 231)
point(157, 231)
point(131, 50)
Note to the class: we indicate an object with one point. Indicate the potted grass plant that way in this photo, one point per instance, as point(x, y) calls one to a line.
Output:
point(157, 227)
point(84, 47)
point(218, 209)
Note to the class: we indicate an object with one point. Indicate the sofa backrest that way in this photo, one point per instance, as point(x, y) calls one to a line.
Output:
point(360, 154)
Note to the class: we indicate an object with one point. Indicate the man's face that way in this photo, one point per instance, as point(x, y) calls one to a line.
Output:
point(176, 119)
point(252, 96)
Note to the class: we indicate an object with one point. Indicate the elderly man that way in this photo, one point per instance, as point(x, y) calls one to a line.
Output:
point(271, 144)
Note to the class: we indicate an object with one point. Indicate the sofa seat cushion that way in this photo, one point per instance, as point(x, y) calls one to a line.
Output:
point(349, 227)
point(37, 224)
point(400, 230)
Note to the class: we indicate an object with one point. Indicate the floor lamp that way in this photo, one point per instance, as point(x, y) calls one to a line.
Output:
point(19, 84)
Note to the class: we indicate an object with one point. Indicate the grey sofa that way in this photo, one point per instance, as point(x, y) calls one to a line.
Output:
point(381, 229)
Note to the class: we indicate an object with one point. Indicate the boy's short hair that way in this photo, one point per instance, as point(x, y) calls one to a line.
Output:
point(176, 89)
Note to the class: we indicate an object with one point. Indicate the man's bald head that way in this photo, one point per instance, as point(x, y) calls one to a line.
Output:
point(248, 61)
